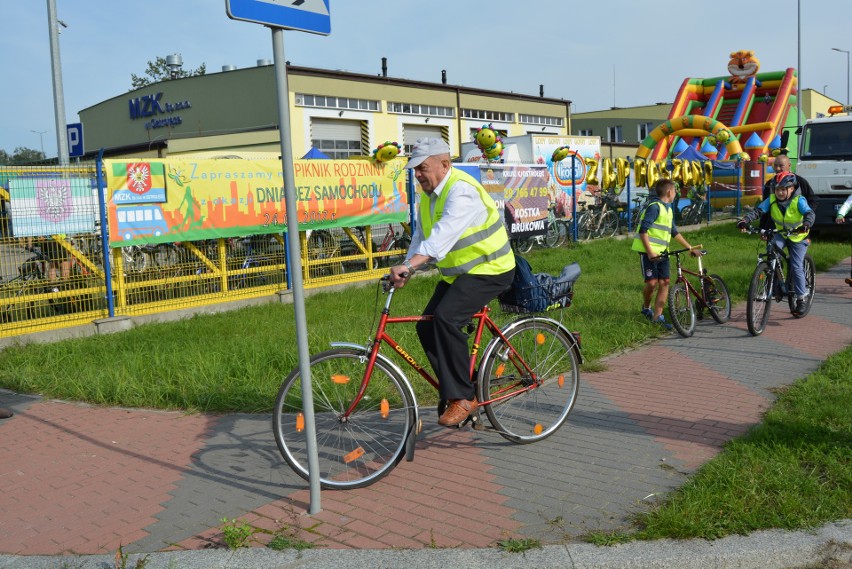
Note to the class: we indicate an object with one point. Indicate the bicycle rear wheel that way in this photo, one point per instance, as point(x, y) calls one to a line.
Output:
point(354, 450)
point(808, 266)
point(529, 405)
point(586, 226)
point(717, 297)
point(608, 225)
point(681, 310)
point(759, 299)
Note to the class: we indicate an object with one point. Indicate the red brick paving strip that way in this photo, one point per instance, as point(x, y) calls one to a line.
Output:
point(147, 452)
point(442, 499)
point(674, 407)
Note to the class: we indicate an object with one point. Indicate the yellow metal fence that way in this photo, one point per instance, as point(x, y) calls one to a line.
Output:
point(51, 282)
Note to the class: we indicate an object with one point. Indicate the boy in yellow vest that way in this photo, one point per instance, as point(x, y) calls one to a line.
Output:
point(461, 230)
point(656, 228)
point(789, 210)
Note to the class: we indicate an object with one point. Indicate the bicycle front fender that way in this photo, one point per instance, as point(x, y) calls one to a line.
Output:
point(390, 364)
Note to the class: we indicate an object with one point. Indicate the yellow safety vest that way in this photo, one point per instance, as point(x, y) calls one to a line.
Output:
point(788, 220)
point(660, 232)
point(482, 249)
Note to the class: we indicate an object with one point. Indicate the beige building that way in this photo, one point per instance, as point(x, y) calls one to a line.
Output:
point(341, 114)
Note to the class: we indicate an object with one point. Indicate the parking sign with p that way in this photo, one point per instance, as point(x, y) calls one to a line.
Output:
point(74, 132)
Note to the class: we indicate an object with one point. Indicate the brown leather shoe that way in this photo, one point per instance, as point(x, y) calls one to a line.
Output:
point(457, 411)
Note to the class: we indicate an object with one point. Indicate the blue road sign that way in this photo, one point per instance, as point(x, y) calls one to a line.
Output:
point(312, 16)
point(74, 132)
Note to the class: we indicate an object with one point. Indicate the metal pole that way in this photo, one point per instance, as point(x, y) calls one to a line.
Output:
point(110, 298)
point(574, 194)
point(798, 64)
point(58, 96)
point(283, 93)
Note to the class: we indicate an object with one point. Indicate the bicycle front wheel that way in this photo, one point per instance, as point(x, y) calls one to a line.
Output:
point(552, 237)
point(355, 449)
point(586, 226)
point(681, 310)
point(759, 299)
point(531, 380)
point(717, 298)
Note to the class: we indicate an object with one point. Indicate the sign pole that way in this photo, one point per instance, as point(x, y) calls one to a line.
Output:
point(295, 265)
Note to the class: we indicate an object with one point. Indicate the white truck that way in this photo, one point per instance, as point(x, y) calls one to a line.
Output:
point(825, 160)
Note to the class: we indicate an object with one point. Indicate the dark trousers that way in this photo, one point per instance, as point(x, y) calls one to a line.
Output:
point(443, 339)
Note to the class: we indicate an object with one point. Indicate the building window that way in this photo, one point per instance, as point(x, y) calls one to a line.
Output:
point(586, 132)
point(421, 110)
point(644, 130)
point(327, 102)
point(540, 120)
point(614, 134)
point(479, 114)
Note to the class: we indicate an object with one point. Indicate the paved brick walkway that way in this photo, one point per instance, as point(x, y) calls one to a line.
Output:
point(84, 480)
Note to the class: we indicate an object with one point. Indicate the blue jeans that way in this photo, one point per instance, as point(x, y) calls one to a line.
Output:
point(796, 253)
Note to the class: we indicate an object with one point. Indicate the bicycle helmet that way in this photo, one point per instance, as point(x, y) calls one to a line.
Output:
point(785, 180)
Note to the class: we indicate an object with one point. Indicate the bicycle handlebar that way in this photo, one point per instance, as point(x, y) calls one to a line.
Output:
point(679, 251)
point(770, 232)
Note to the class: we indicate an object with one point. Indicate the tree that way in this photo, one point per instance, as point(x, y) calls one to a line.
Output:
point(22, 155)
point(158, 71)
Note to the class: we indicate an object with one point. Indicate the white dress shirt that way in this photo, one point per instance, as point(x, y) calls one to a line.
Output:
point(463, 209)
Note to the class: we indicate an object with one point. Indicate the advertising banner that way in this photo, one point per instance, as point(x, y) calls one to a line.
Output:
point(570, 172)
point(179, 199)
point(51, 206)
point(521, 190)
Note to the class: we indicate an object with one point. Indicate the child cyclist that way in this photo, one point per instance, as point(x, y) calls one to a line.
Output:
point(656, 228)
point(789, 211)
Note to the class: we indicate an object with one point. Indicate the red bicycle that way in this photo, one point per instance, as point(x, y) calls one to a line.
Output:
point(366, 412)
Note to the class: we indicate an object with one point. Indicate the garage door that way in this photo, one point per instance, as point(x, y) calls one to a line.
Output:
point(337, 139)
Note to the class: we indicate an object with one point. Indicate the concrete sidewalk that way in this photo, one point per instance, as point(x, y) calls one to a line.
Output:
point(80, 480)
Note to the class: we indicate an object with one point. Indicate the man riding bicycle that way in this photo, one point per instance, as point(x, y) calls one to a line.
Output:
point(460, 228)
point(789, 211)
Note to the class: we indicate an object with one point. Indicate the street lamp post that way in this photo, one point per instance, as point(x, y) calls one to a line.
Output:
point(41, 134)
point(846, 51)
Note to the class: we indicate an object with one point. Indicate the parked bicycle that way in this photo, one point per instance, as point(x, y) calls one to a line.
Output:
point(366, 413)
point(773, 280)
point(600, 219)
point(555, 236)
point(710, 294)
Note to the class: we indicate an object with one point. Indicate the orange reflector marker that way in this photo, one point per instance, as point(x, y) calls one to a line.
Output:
point(341, 379)
point(561, 380)
point(300, 423)
point(500, 369)
point(384, 408)
point(538, 429)
point(539, 338)
point(354, 455)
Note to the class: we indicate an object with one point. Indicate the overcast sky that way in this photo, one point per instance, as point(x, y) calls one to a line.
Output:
point(596, 54)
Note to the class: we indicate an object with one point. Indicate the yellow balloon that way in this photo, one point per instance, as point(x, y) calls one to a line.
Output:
point(486, 137)
point(697, 173)
point(677, 170)
point(640, 172)
point(622, 170)
point(653, 173)
point(592, 172)
point(723, 136)
point(607, 175)
point(665, 173)
point(708, 172)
